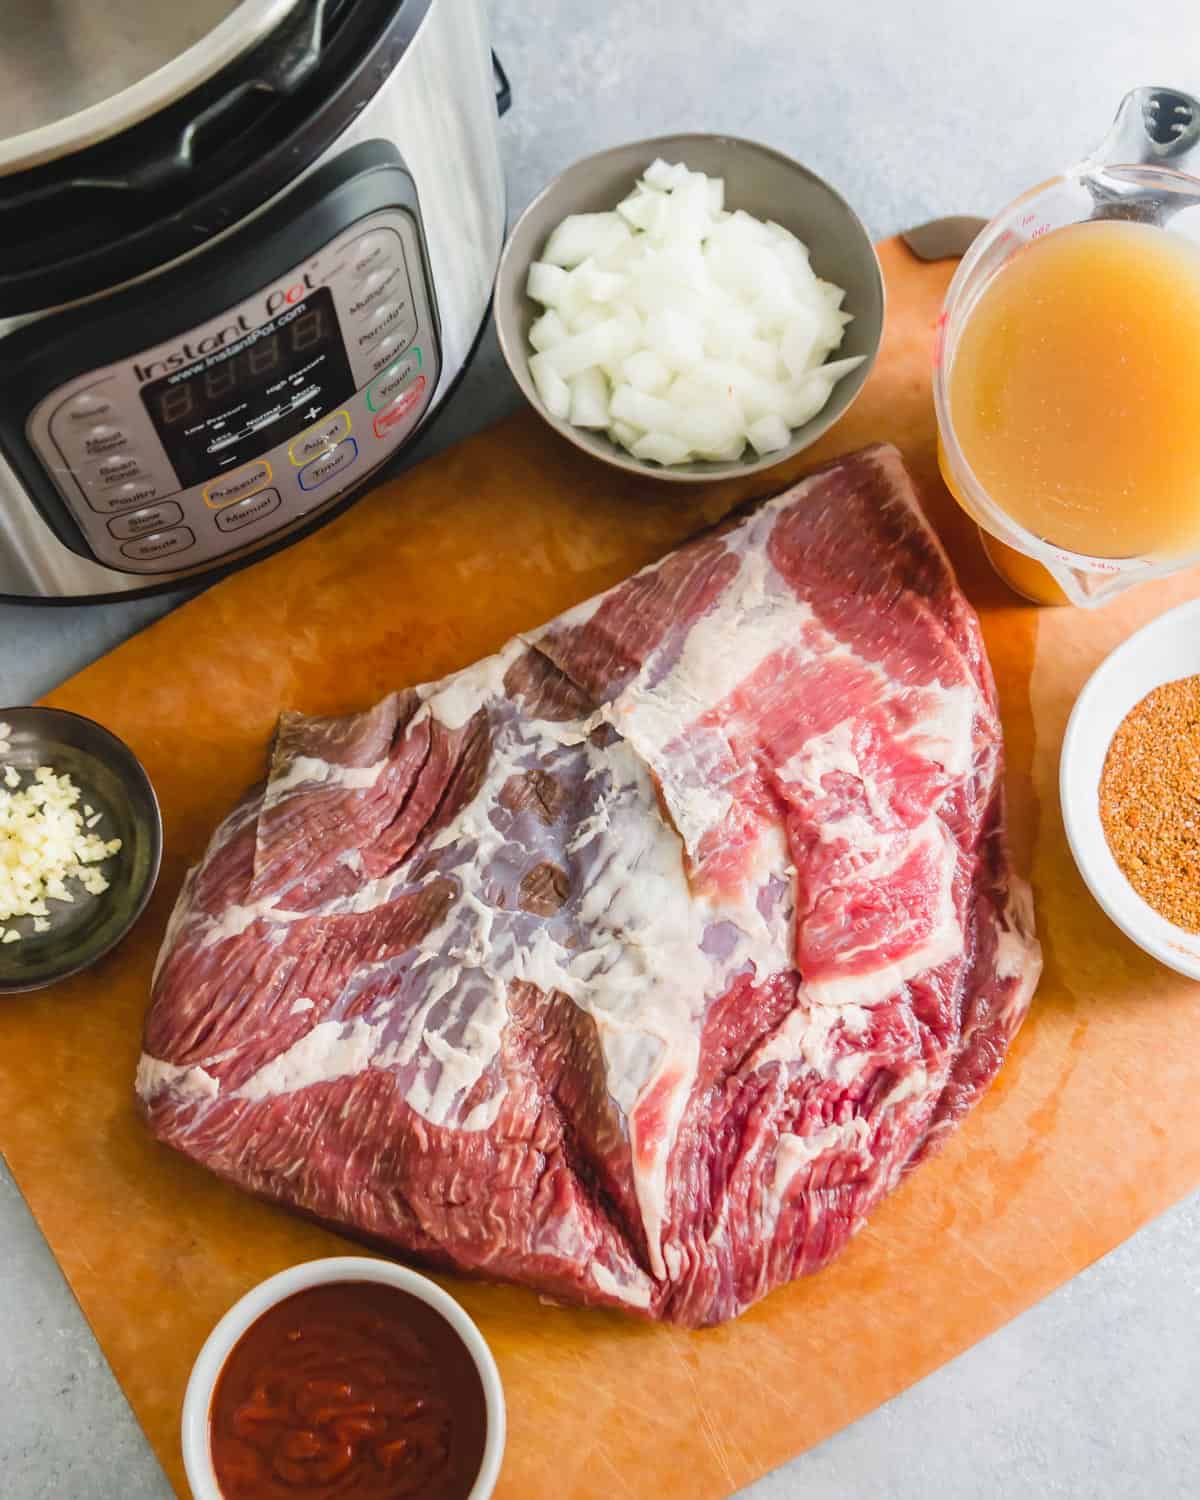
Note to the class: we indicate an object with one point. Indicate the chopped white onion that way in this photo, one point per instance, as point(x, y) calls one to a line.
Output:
point(682, 330)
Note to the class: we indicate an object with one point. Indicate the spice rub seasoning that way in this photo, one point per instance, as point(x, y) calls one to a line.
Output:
point(1150, 800)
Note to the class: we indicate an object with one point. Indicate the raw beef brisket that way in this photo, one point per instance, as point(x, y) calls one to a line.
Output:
point(640, 960)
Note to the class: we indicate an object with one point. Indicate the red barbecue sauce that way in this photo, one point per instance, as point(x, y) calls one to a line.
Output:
point(349, 1391)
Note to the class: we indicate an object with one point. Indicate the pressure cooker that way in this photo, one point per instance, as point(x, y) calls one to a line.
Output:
point(246, 249)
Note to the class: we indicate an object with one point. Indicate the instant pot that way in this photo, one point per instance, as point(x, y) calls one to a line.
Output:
point(245, 251)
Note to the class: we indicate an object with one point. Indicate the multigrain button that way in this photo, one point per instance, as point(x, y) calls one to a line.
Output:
point(160, 544)
point(319, 438)
point(123, 497)
point(384, 282)
point(139, 522)
point(335, 462)
point(387, 386)
point(246, 512)
point(247, 480)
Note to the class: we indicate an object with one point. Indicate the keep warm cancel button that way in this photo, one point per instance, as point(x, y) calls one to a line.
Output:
point(335, 461)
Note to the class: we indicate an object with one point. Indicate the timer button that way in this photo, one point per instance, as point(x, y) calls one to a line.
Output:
point(139, 522)
point(325, 468)
point(246, 512)
point(160, 544)
point(247, 480)
point(319, 438)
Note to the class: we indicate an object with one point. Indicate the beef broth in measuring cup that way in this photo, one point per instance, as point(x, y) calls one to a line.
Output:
point(1067, 399)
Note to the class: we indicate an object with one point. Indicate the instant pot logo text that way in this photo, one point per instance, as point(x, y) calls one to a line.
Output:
point(217, 341)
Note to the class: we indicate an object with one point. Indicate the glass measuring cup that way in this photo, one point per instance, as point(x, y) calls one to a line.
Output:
point(1142, 173)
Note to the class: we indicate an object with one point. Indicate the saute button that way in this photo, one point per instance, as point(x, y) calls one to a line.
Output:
point(384, 387)
point(319, 438)
point(246, 512)
point(247, 480)
point(138, 522)
point(323, 469)
point(123, 497)
point(160, 544)
point(402, 407)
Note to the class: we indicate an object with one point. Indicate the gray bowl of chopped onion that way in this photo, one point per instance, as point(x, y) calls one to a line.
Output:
point(692, 307)
point(80, 844)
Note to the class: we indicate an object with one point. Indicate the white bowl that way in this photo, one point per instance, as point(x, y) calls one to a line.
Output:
point(197, 1455)
point(1163, 651)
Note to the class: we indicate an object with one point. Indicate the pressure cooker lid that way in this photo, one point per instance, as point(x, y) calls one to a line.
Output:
point(74, 72)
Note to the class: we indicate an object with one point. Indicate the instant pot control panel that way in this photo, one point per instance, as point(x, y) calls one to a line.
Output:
point(199, 444)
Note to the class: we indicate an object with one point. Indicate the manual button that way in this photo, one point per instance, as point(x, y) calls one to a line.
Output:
point(160, 544)
point(246, 512)
point(321, 470)
point(247, 480)
point(319, 438)
point(138, 522)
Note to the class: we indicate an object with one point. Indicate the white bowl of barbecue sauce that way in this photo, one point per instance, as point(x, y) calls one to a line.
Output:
point(1128, 782)
point(344, 1377)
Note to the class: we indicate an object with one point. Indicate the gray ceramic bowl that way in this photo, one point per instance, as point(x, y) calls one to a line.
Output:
point(112, 781)
point(761, 181)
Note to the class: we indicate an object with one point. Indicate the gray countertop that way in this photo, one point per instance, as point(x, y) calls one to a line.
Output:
point(913, 111)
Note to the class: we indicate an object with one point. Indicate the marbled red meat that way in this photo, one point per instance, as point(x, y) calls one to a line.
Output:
point(637, 962)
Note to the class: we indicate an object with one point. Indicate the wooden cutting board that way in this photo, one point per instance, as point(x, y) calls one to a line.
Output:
point(1090, 1129)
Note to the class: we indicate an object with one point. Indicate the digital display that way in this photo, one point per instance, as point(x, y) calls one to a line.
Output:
point(238, 401)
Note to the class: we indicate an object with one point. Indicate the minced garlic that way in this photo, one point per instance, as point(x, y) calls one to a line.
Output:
point(43, 844)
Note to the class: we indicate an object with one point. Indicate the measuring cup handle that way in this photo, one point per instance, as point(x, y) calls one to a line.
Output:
point(1154, 127)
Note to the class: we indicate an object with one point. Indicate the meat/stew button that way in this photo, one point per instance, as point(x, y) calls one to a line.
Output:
point(335, 461)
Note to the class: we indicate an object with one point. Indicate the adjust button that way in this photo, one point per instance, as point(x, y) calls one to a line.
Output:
point(393, 380)
point(246, 512)
point(160, 544)
point(403, 407)
point(139, 522)
point(247, 480)
point(323, 469)
point(319, 438)
point(385, 282)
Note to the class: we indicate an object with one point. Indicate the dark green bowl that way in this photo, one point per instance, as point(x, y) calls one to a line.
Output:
point(113, 782)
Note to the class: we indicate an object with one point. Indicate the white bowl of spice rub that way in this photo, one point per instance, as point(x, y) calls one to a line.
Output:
point(1130, 787)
